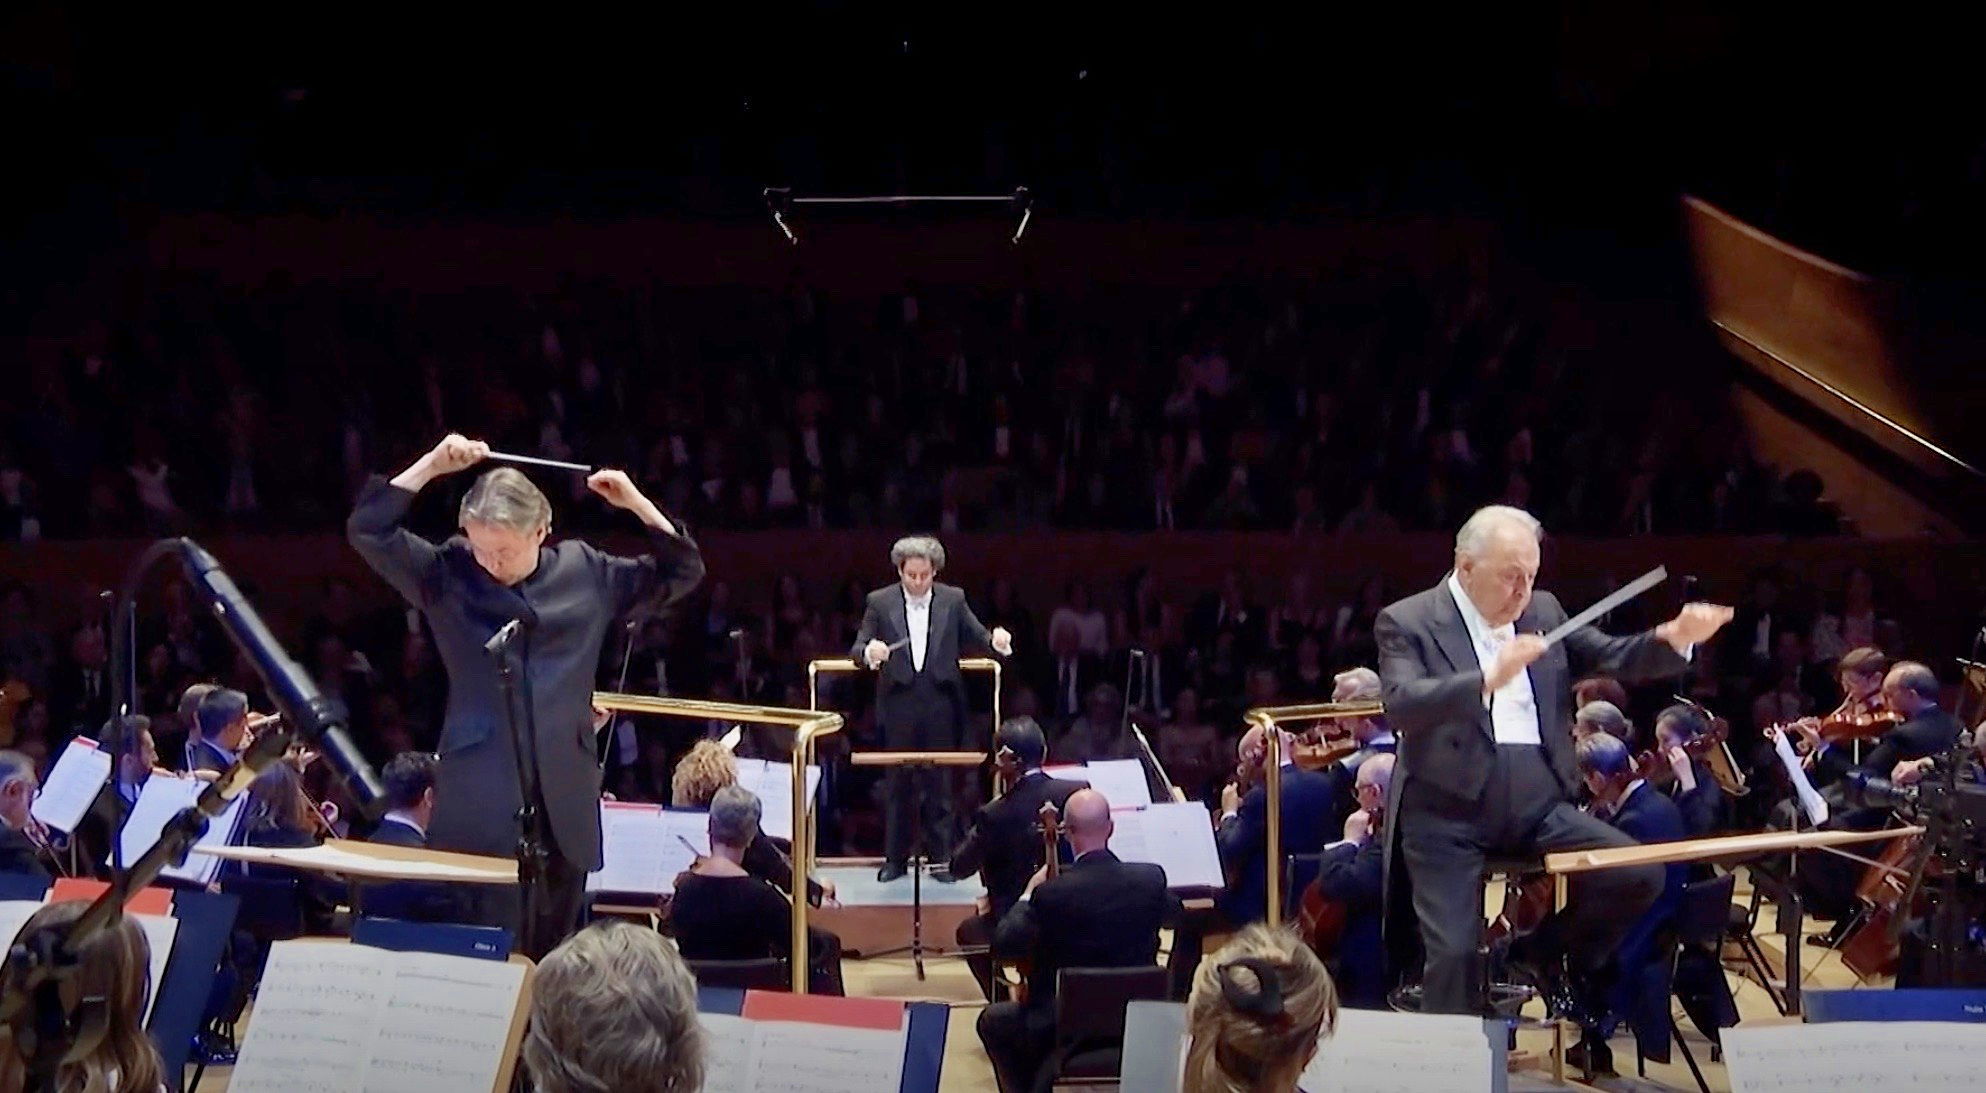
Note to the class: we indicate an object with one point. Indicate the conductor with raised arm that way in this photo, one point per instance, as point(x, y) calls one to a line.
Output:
point(566, 597)
point(912, 632)
point(1486, 765)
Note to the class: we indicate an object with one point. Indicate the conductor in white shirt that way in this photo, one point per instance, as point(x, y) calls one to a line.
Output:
point(911, 636)
point(1480, 705)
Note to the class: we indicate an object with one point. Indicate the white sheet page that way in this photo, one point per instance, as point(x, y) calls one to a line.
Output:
point(1853, 1056)
point(796, 1057)
point(72, 785)
point(642, 847)
point(727, 1052)
point(1376, 1051)
point(443, 1023)
point(314, 1020)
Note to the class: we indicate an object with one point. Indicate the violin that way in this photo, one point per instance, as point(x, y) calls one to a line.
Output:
point(1049, 823)
point(1841, 728)
point(1323, 750)
point(1873, 951)
point(1654, 765)
point(1321, 920)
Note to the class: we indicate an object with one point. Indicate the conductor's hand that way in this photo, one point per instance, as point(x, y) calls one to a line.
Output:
point(1003, 642)
point(456, 452)
point(1516, 655)
point(1695, 624)
point(616, 487)
point(876, 652)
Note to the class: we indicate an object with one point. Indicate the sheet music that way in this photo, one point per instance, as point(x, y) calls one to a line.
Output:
point(444, 1023)
point(72, 786)
point(315, 1018)
point(798, 1057)
point(1121, 781)
point(1854, 1056)
point(163, 797)
point(1177, 836)
point(1378, 1051)
point(160, 930)
point(1810, 801)
point(773, 783)
point(641, 847)
point(727, 1052)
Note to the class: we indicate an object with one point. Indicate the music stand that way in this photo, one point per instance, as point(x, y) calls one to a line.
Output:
point(1730, 848)
point(916, 760)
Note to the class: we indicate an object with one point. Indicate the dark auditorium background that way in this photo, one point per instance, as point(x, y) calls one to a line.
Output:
point(1298, 291)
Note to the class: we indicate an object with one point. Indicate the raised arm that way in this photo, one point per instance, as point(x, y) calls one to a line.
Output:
point(374, 529)
point(1654, 654)
point(669, 572)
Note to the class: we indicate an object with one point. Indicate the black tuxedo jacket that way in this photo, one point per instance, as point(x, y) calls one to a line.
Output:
point(1433, 686)
point(570, 603)
point(413, 901)
point(953, 626)
point(1099, 913)
point(1004, 845)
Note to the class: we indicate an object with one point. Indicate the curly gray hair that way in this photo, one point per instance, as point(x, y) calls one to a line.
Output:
point(614, 1008)
point(918, 546)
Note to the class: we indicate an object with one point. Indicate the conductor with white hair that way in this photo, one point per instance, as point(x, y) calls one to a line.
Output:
point(565, 598)
point(1486, 757)
point(913, 632)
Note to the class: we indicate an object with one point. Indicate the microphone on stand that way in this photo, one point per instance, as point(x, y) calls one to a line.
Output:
point(505, 634)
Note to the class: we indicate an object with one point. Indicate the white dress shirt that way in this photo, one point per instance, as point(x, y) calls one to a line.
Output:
point(1514, 707)
point(917, 616)
point(401, 816)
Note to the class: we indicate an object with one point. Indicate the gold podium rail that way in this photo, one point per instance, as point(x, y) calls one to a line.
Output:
point(1269, 719)
point(808, 726)
point(844, 664)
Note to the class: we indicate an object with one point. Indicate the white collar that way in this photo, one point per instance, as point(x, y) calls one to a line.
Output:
point(1479, 627)
point(401, 816)
point(923, 601)
point(1628, 793)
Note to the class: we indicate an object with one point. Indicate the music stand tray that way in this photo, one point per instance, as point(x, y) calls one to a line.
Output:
point(350, 857)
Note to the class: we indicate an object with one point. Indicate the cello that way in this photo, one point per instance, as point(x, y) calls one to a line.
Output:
point(1050, 826)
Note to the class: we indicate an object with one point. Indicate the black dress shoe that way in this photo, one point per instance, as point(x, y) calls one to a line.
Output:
point(1593, 1056)
point(1833, 937)
point(943, 875)
point(890, 871)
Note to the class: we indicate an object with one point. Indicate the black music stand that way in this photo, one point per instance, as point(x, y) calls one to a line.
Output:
point(915, 760)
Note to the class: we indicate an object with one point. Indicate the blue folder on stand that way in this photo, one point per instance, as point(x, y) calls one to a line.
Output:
point(446, 938)
point(1910, 1004)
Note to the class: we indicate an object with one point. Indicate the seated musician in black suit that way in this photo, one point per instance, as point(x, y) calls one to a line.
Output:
point(1691, 786)
point(1370, 734)
point(1099, 912)
point(1640, 973)
point(409, 781)
point(129, 738)
point(1353, 873)
point(222, 718)
point(22, 838)
point(722, 912)
point(1005, 845)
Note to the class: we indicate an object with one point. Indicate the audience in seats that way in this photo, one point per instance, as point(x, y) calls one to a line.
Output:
point(613, 1008)
point(722, 912)
point(1259, 1008)
point(1098, 912)
point(1004, 845)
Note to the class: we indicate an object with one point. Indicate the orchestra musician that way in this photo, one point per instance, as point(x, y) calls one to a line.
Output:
point(566, 597)
point(1002, 845)
point(1353, 873)
point(130, 739)
point(1601, 715)
point(409, 781)
point(1098, 912)
point(710, 766)
point(1690, 784)
point(1486, 763)
point(1640, 988)
point(722, 912)
point(911, 636)
point(1369, 733)
point(222, 720)
point(23, 840)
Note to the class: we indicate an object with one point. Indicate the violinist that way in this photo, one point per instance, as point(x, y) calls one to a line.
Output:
point(1640, 988)
point(1002, 845)
point(1370, 734)
point(1243, 833)
point(1601, 715)
point(722, 912)
point(1690, 783)
point(222, 721)
point(23, 840)
point(1352, 873)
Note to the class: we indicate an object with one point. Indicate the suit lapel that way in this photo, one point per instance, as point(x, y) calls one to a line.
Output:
point(1451, 634)
point(900, 612)
point(941, 609)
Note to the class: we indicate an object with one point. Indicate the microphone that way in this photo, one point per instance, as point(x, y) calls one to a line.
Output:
point(302, 704)
point(505, 634)
point(1137, 653)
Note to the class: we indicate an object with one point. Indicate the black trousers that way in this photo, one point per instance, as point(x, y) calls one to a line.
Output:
point(923, 715)
point(562, 896)
point(1018, 1039)
point(977, 933)
point(1523, 812)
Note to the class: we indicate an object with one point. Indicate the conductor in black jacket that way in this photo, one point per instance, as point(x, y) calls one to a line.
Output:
point(1486, 764)
point(1098, 913)
point(911, 636)
point(568, 597)
point(1005, 844)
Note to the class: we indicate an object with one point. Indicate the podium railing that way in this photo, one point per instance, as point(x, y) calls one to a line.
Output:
point(1269, 719)
point(808, 726)
point(832, 665)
